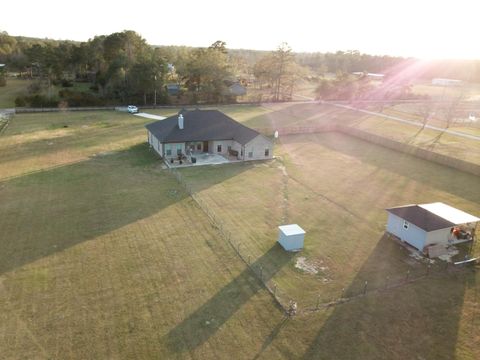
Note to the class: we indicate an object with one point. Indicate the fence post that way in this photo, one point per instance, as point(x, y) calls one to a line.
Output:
point(261, 272)
point(408, 275)
point(275, 290)
point(249, 258)
point(342, 295)
point(365, 287)
point(386, 282)
point(318, 302)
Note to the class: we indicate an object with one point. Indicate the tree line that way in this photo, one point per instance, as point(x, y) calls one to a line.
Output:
point(123, 68)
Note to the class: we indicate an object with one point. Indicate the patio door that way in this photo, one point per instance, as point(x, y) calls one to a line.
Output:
point(205, 146)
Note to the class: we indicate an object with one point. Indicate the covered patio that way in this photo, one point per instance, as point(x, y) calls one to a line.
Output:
point(200, 159)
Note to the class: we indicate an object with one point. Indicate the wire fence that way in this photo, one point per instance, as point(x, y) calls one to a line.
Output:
point(281, 298)
point(359, 289)
point(5, 117)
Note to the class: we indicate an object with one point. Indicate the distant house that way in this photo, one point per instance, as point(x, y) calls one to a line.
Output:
point(430, 224)
point(236, 89)
point(173, 89)
point(207, 131)
point(446, 82)
point(372, 76)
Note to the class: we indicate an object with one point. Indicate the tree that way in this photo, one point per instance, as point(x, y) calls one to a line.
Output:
point(279, 71)
point(206, 71)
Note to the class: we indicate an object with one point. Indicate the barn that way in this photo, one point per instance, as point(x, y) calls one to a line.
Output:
point(425, 225)
point(189, 134)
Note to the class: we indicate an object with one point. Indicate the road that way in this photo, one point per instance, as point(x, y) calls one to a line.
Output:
point(395, 118)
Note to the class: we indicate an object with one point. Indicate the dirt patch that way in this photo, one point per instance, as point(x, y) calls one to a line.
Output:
point(419, 257)
point(451, 252)
point(312, 267)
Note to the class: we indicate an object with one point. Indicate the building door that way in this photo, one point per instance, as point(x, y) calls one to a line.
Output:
point(205, 146)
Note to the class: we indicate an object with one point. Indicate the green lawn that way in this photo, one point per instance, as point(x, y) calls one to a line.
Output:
point(104, 255)
point(337, 188)
point(14, 88)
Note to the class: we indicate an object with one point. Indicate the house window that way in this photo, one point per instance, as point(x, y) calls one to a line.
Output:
point(267, 152)
point(179, 149)
point(199, 146)
point(219, 148)
point(250, 154)
point(405, 224)
point(168, 149)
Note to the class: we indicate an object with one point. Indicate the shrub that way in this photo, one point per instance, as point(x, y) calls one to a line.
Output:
point(20, 101)
point(67, 83)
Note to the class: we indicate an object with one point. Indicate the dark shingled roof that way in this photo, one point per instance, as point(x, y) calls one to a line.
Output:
point(421, 217)
point(201, 125)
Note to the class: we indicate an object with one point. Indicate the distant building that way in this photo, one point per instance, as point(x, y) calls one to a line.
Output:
point(236, 89)
point(173, 89)
point(430, 224)
point(372, 76)
point(446, 82)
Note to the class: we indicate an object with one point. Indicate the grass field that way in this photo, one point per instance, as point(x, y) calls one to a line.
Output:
point(14, 88)
point(103, 255)
point(338, 193)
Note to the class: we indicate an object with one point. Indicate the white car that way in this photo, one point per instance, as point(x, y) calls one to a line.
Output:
point(132, 109)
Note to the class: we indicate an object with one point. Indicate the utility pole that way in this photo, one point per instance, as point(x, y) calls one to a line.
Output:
point(155, 91)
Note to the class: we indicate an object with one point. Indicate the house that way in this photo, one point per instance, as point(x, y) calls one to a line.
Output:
point(372, 76)
point(192, 133)
point(236, 89)
point(173, 89)
point(446, 82)
point(426, 225)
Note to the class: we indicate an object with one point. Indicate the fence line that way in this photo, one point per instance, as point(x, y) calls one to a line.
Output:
point(313, 304)
point(424, 154)
point(280, 298)
point(392, 144)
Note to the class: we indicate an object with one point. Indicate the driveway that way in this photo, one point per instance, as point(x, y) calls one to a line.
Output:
point(150, 116)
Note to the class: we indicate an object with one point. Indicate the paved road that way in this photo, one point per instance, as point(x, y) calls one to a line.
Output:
point(394, 118)
point(414, 123)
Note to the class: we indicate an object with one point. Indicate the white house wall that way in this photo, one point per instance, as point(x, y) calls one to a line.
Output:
point(413, 235)
point(438, 237)
point(173, 147)
point(258, 145)
point(224, 143)
point(155, 144)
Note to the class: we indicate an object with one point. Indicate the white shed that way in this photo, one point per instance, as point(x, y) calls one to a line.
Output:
point(425, 225)
point(291, 237)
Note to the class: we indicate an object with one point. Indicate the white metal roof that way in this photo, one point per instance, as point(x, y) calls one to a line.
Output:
point(292, 229)
point(450, 213)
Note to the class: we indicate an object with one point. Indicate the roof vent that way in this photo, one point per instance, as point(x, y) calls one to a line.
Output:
point(180, 121)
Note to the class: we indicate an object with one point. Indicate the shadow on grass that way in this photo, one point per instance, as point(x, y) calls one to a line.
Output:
point(202, 177)
point(209, 318)
point(419, 320)
point(49, 211)
point(423, 171)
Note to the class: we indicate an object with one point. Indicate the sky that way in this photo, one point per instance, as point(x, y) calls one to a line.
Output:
point(411, 28)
